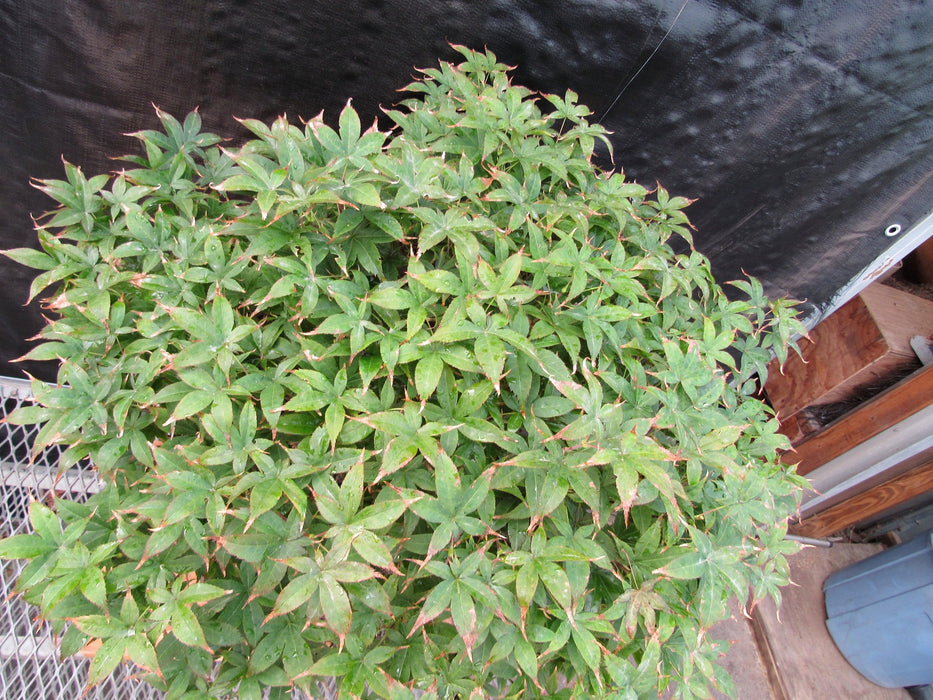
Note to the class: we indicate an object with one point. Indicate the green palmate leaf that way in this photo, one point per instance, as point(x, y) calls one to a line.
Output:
point(687, 566)
point(200, 593)
point(296, 593)
point(143, 653)
point(588, 647)
point(526, 583)
point(428, 374)
point(25, 547)
point(351, 490)
point(526, 657)
point(249, 689)
point(264, 496)
point(382, 514)
point(106, 659)
point(374, 551)
point(435, 408)
point(364, 193)
point(331, 665)
point(437, 601)
point(251, 547)
point(98, 626)
point(186, 628)
point(296, 423)
point(129, 610)
point(336, 606)
point(463, 614)
point(396, 455)
point(351, 572)
point(439, 281)
point(42, 353)
point(443, 533)
point(189, 405)
point(93, 587)
point(267, 652)
point(490, 354)
point(556, 581)
point(45, 522)
point(391, 298)
point(199, 353)
point(30, 257)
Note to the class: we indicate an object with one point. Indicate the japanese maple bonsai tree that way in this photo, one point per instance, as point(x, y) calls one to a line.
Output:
point(438, 410)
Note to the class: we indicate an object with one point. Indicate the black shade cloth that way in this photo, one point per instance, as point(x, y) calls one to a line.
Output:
point(803, 129)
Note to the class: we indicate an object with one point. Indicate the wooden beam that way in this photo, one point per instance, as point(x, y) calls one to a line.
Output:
point(919, 264)
point(876, 500)
point(871, 418)
point(837, 350)
point(862, 345)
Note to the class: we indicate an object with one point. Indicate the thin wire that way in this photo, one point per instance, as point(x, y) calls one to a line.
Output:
point(647, 61)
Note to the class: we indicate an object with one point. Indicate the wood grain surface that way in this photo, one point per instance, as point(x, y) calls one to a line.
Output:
point(864, 343)
point(871, 418)
point(870, 503)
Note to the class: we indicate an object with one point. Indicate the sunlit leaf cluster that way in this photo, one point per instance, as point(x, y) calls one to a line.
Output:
point(431, 410)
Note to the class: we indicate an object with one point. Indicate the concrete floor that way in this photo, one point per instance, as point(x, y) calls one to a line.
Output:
point(743, 661)
point(789, 654)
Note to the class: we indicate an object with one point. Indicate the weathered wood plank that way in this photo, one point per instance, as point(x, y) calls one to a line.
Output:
point(871, 418)
point(868, 504)
point(862, 344)
point(838, 348)
point(919, 264)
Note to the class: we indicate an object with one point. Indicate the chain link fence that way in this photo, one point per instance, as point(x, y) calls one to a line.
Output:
point(30, 667)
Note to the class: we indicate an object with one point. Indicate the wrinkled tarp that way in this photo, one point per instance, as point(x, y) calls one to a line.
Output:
point(802, 129)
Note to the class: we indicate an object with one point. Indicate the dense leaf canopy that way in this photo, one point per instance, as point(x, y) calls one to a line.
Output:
point(437, 409)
